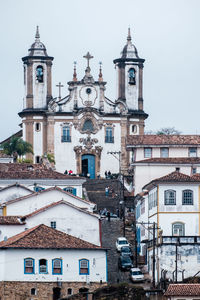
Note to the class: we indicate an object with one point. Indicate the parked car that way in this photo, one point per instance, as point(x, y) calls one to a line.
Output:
point(120, 242)
point(136, 275)
point(126, 251)
point(125, 263)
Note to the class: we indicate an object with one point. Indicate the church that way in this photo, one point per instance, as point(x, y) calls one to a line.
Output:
point(84, 130)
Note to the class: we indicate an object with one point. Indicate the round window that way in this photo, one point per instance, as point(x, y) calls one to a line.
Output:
point(88, 91)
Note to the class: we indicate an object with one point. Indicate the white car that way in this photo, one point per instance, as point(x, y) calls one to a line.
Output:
point(136, 275)
point(120, 242)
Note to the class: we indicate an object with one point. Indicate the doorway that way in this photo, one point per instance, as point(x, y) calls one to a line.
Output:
point(88, 165)
point(56, 293)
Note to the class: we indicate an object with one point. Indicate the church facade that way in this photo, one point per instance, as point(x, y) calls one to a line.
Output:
point(85, 131)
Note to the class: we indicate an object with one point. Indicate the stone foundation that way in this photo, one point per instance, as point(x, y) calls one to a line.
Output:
point(18, 290)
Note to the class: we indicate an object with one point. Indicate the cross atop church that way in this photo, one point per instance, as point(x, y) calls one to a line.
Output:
point(88, 56)
point(59, 89)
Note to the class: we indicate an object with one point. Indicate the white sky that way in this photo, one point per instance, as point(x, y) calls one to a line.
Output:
point(165, 32)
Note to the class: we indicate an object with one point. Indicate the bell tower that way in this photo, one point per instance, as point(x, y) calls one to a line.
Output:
point(37, 76)
point(129, 70)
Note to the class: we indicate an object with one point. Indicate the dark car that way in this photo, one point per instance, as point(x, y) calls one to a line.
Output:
point(126, 251)
point(125, 262)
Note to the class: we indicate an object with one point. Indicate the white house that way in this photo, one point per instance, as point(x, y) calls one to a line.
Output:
point(37, 177)
point(173, 206)
point(14, 191)
point(60, 215)
point(43, 262)
point(153, 156)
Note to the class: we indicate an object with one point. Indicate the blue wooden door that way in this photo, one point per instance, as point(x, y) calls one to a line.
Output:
point(90, 164)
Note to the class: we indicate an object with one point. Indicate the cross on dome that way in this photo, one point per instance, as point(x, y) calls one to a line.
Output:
point(88, 56)
point(37, 35)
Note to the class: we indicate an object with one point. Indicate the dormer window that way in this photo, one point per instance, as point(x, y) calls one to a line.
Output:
point(39, 73)
point(131, 75)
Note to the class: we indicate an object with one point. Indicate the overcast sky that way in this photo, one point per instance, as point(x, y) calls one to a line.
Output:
point(165, 32)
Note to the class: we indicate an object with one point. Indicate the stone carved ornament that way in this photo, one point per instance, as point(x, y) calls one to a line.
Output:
point(97, 125)
point(88, 142)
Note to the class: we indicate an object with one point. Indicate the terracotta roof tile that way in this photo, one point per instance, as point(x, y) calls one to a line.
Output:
point(11, 220)
point(174, 177)
point(170, 160)
point(55, 204)
point(183, 290)
point(153, 139)
point(30, 171)
point(44, 237)
point(45, 191)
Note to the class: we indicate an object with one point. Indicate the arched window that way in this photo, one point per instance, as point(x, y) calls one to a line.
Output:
point(84, 267)
point(37, 159)
point(178, 229)
point(29, 266)
point(37, 126)
point(170, 197)
point(131, 75)
point(134, 128)
point(56, 266)
point(187, 197)
point(43, 266)
point(39, 73)
point(66, 137)
point(69, 291)
point(88, 125)
point(33, 291)
point(70, 190)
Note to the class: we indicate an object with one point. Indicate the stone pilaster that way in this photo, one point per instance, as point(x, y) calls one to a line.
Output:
point(49, 81)
point(124, 155)
point(28, 123)
point(50, 134)
point(29, 96)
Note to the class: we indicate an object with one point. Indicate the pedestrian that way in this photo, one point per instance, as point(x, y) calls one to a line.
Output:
point(108, 215)
point(70, 172)
point(106, 191)
point(98, 175)
point(109, 174)
point(106, 174)
point(66, 172)
point(118, 212)
point(113, 193)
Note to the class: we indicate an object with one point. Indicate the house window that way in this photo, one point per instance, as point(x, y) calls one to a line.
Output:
point(164, 152)
point(53, 224)
point(37, 126)
point(131, 75)
point(147, 152)
point(83, 267)
point(194, 170)
point(70, 190)
point(109, 138)
point(134, 128)
point(43, 266)
point(187, 197)
point(29, 266)
point(33, 291)
point(57, 266)
point(88, 126)
point(39, 74)
point(193, 152)
point(178, 229)
point(38, 189)
point(66, 137)
point(170, 197)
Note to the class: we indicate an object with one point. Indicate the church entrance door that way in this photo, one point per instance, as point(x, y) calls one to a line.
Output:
point(88, 165)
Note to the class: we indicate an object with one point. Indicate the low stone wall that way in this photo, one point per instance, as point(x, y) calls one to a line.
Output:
point(43, 290)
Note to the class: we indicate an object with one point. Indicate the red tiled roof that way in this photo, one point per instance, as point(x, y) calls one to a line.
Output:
point(45, 191)
point(170, 160)
point(153, 139)
point(11, 220)
point(55, 204)
point(183, 290)
point(30, 171)
point(44, 237)
point(174, 177)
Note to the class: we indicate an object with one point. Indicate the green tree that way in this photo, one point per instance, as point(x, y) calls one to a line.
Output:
point(168, 131)
point(17, 147)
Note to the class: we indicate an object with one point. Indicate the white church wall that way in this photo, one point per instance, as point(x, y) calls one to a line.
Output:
point(14, 262)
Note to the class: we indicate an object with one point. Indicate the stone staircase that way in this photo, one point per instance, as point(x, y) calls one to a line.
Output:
point(96, 193)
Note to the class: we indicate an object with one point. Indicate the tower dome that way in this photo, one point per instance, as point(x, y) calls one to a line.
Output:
point(37, 48)
point(129, 50)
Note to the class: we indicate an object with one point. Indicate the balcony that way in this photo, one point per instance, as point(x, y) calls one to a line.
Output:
point(66, 139)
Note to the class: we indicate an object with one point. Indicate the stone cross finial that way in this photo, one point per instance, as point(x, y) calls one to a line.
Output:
point(37, 35)
point(88, 56)
point(59, 89)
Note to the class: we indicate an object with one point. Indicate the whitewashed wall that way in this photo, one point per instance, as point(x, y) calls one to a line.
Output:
point(13, 192)
point(12, 265)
